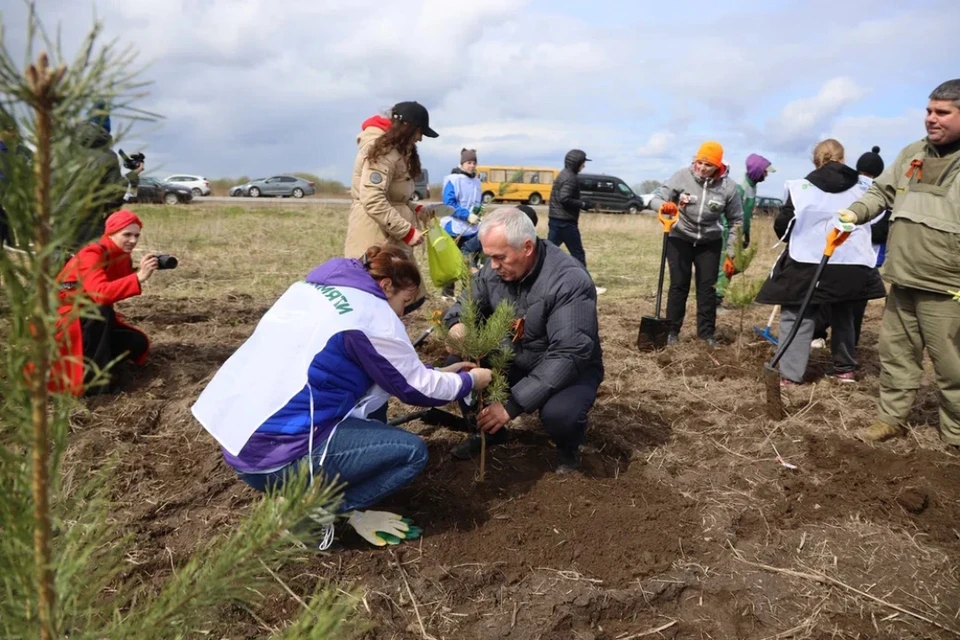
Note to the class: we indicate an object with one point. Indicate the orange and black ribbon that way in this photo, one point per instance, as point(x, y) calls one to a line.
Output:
point(916, 166)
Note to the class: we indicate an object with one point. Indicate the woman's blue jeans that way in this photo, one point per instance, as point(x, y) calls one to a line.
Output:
point(373, 458)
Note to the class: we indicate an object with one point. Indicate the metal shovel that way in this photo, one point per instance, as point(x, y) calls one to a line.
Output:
point(771, 377)
point(654, 329)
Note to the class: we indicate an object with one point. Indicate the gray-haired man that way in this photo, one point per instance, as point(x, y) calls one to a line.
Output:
point(558, 363)
point(921, 188)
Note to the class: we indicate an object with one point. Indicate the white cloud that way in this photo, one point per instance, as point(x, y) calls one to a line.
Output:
point(657, 145)
point(804, 120)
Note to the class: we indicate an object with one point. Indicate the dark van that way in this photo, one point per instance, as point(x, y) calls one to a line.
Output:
point(609, 193)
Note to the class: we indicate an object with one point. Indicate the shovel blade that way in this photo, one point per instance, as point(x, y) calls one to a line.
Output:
point(440, 418)
point(771, 380)
point(653, 333)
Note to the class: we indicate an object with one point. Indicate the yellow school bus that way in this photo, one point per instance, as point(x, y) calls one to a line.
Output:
point(530, 185)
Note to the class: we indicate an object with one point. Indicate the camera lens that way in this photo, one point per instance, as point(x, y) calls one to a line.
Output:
point(166, 261)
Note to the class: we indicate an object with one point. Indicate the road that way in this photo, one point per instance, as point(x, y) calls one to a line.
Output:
point(285, 201)
point(293, 201)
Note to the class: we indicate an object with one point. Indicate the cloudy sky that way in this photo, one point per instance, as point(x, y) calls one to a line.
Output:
point(258, 87)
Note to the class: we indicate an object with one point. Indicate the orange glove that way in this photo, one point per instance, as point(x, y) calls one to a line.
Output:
point(669, 209)
point(728, 267)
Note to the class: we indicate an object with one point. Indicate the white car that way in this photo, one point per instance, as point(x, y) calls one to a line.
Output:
point(198, 185)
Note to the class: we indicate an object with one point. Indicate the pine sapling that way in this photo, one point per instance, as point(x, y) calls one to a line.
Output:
point(485, 342)
point(741, 292)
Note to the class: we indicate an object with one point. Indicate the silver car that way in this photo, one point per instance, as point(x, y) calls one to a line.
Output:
point(198, 185)
point(280, 186)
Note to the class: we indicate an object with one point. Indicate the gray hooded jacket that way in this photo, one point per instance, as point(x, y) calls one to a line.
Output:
point(703, 204)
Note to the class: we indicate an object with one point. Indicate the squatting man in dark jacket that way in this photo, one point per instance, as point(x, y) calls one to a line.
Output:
point(558, 364)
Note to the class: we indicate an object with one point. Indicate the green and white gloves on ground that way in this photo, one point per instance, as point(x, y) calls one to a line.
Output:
point(381, 528)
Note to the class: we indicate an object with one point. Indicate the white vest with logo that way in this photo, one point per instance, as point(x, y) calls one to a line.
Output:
point(815, 214)
point(286, 340)
point(469, 194)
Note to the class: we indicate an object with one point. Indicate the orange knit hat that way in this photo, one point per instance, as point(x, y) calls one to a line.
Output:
point(711, 152)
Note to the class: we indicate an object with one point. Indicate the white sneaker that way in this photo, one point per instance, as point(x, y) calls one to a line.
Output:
point(601, 291)
point(819, 343)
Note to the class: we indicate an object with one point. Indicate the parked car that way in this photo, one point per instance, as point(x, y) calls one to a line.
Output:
point(422, 186)
point(769, 206)
point(198, 185)
point(609, 193)
point(160, 192)
point(281, 186)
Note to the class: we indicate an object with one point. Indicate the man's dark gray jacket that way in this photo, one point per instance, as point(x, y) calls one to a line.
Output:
point(557, 301)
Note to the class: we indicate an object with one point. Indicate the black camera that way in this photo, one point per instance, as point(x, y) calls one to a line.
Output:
point(132, 162)
point(166, 261)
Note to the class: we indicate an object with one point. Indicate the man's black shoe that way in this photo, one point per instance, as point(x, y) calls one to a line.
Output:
point(568, 461)
point(471, 446)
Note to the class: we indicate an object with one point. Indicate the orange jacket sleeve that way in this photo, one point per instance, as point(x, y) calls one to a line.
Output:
point(94, 280)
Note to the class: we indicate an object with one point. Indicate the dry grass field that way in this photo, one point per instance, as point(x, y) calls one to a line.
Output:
point(683, 523)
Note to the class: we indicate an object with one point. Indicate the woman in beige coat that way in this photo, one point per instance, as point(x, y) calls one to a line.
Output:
point(383, 182)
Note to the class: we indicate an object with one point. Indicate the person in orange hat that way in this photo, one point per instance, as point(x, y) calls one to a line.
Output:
point(103, 273)
point(703, 196)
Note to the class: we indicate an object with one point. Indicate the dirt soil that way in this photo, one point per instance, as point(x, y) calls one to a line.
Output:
point(682, 524)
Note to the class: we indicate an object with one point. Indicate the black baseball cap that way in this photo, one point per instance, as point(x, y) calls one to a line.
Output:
point(416, 114)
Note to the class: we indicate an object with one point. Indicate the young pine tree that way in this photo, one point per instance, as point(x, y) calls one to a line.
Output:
point(486, 342)
point(742, 291)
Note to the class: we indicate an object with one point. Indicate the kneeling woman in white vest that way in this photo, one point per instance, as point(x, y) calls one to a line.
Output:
point(850, 277)
point(310, 387)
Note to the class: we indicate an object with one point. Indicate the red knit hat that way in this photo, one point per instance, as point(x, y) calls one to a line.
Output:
point(120, 220)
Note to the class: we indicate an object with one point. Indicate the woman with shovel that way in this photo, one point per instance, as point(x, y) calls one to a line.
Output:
point(702, 195)
point(849, 279)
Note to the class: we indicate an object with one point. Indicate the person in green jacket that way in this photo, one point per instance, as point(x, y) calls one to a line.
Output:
point(758, 168)
point(921, 188)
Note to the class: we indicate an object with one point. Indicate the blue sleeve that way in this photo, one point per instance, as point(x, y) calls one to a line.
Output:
point(450, 199)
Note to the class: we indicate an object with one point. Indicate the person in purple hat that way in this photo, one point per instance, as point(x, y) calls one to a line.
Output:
point(758, 168)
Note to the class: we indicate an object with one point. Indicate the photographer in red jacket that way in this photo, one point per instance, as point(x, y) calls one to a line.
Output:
point(103, 271)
